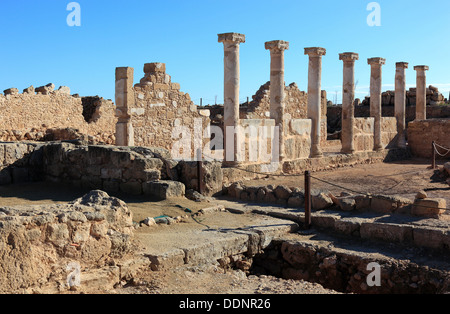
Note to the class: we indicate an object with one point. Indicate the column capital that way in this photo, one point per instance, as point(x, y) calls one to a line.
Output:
point(421, 68)
point(231, 37)
point(315, 51)
point(376, 61)
point(348, 56)
point(277, 45)
point(402, 65)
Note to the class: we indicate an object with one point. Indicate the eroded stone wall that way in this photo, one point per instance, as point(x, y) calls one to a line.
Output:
point(160, 107)
point(40, 245)
point(422, 133)
point(44, 113)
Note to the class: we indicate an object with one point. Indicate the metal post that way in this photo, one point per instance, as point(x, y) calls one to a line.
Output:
point(199, 170)
point(433, 155)
point(307, 200)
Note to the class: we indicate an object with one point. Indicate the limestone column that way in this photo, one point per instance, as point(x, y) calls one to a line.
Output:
point(421, 92)
point(400, 103)
point(231, 43)
point(314, 96)
point(124, 102)
point(375, 99)
point(348, 99)
point(277, 92)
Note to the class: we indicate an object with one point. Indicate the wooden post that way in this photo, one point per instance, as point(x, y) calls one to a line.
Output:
point(307, 200)
point(433, 155)
point(199, 170)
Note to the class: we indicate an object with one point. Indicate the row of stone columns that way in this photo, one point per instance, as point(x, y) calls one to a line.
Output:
point(231, 43)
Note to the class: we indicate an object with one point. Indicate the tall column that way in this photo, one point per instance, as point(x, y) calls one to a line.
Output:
point(348, 99)
point(421, 92)
point(375, 99)
point(124, 102)
point(400, 103)
point(314, 96)
point(231, 42)
point(277, 92)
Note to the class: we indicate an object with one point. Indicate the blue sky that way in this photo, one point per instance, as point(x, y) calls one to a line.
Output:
point(38, 47)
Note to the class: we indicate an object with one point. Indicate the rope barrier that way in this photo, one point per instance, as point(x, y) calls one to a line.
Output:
point(326, 182)
point(368, 194)
point(435, 145)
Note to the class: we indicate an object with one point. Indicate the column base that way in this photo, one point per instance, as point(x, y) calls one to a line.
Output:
point(316, 152)
point(348, 151)
point(378, 148)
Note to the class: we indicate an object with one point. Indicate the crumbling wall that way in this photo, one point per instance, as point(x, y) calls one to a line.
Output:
point(364, 133)
point(40, 114)
point(296, 102)
point(434, 97)
point(160, 107)
point(422, 133)
point(41, 245)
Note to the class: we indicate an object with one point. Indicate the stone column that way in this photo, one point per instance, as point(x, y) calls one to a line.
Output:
point(314, 96)
point(375, 99)
point(124, 102)
point(400, 103)
point(421, 92)
point(231, 42)
point(348, 99)
point(277, 92)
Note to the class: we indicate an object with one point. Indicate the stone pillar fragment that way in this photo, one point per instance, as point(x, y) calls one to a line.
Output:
point(348, 99)
point(314, 96)
point(375, 98)
point(231, 43)
point(400, 103)
point(277, 91)
point(421, 92)
point(124, 103)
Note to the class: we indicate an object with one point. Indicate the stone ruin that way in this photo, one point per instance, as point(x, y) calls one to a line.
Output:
point(96, 230)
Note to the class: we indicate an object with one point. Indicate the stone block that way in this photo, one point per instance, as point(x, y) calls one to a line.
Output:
point(282, 192)
point(5, 176)
point(429, 207)
point(321, 201)
point(164, 189)
point(386, 232)
point(132, 187)
point(154, 67)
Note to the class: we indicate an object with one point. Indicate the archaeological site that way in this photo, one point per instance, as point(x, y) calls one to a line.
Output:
point(285, 193)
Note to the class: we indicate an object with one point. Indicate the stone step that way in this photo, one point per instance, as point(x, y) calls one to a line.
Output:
point(355, 265)
point(392, 228)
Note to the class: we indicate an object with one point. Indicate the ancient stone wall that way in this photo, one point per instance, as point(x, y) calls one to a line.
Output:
point(434, 97)
point(160, 107)
point(296, 106)
point(131, 170)
point(44, 113)
point(364, 130)
point(42, 245)
point(422, 133)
